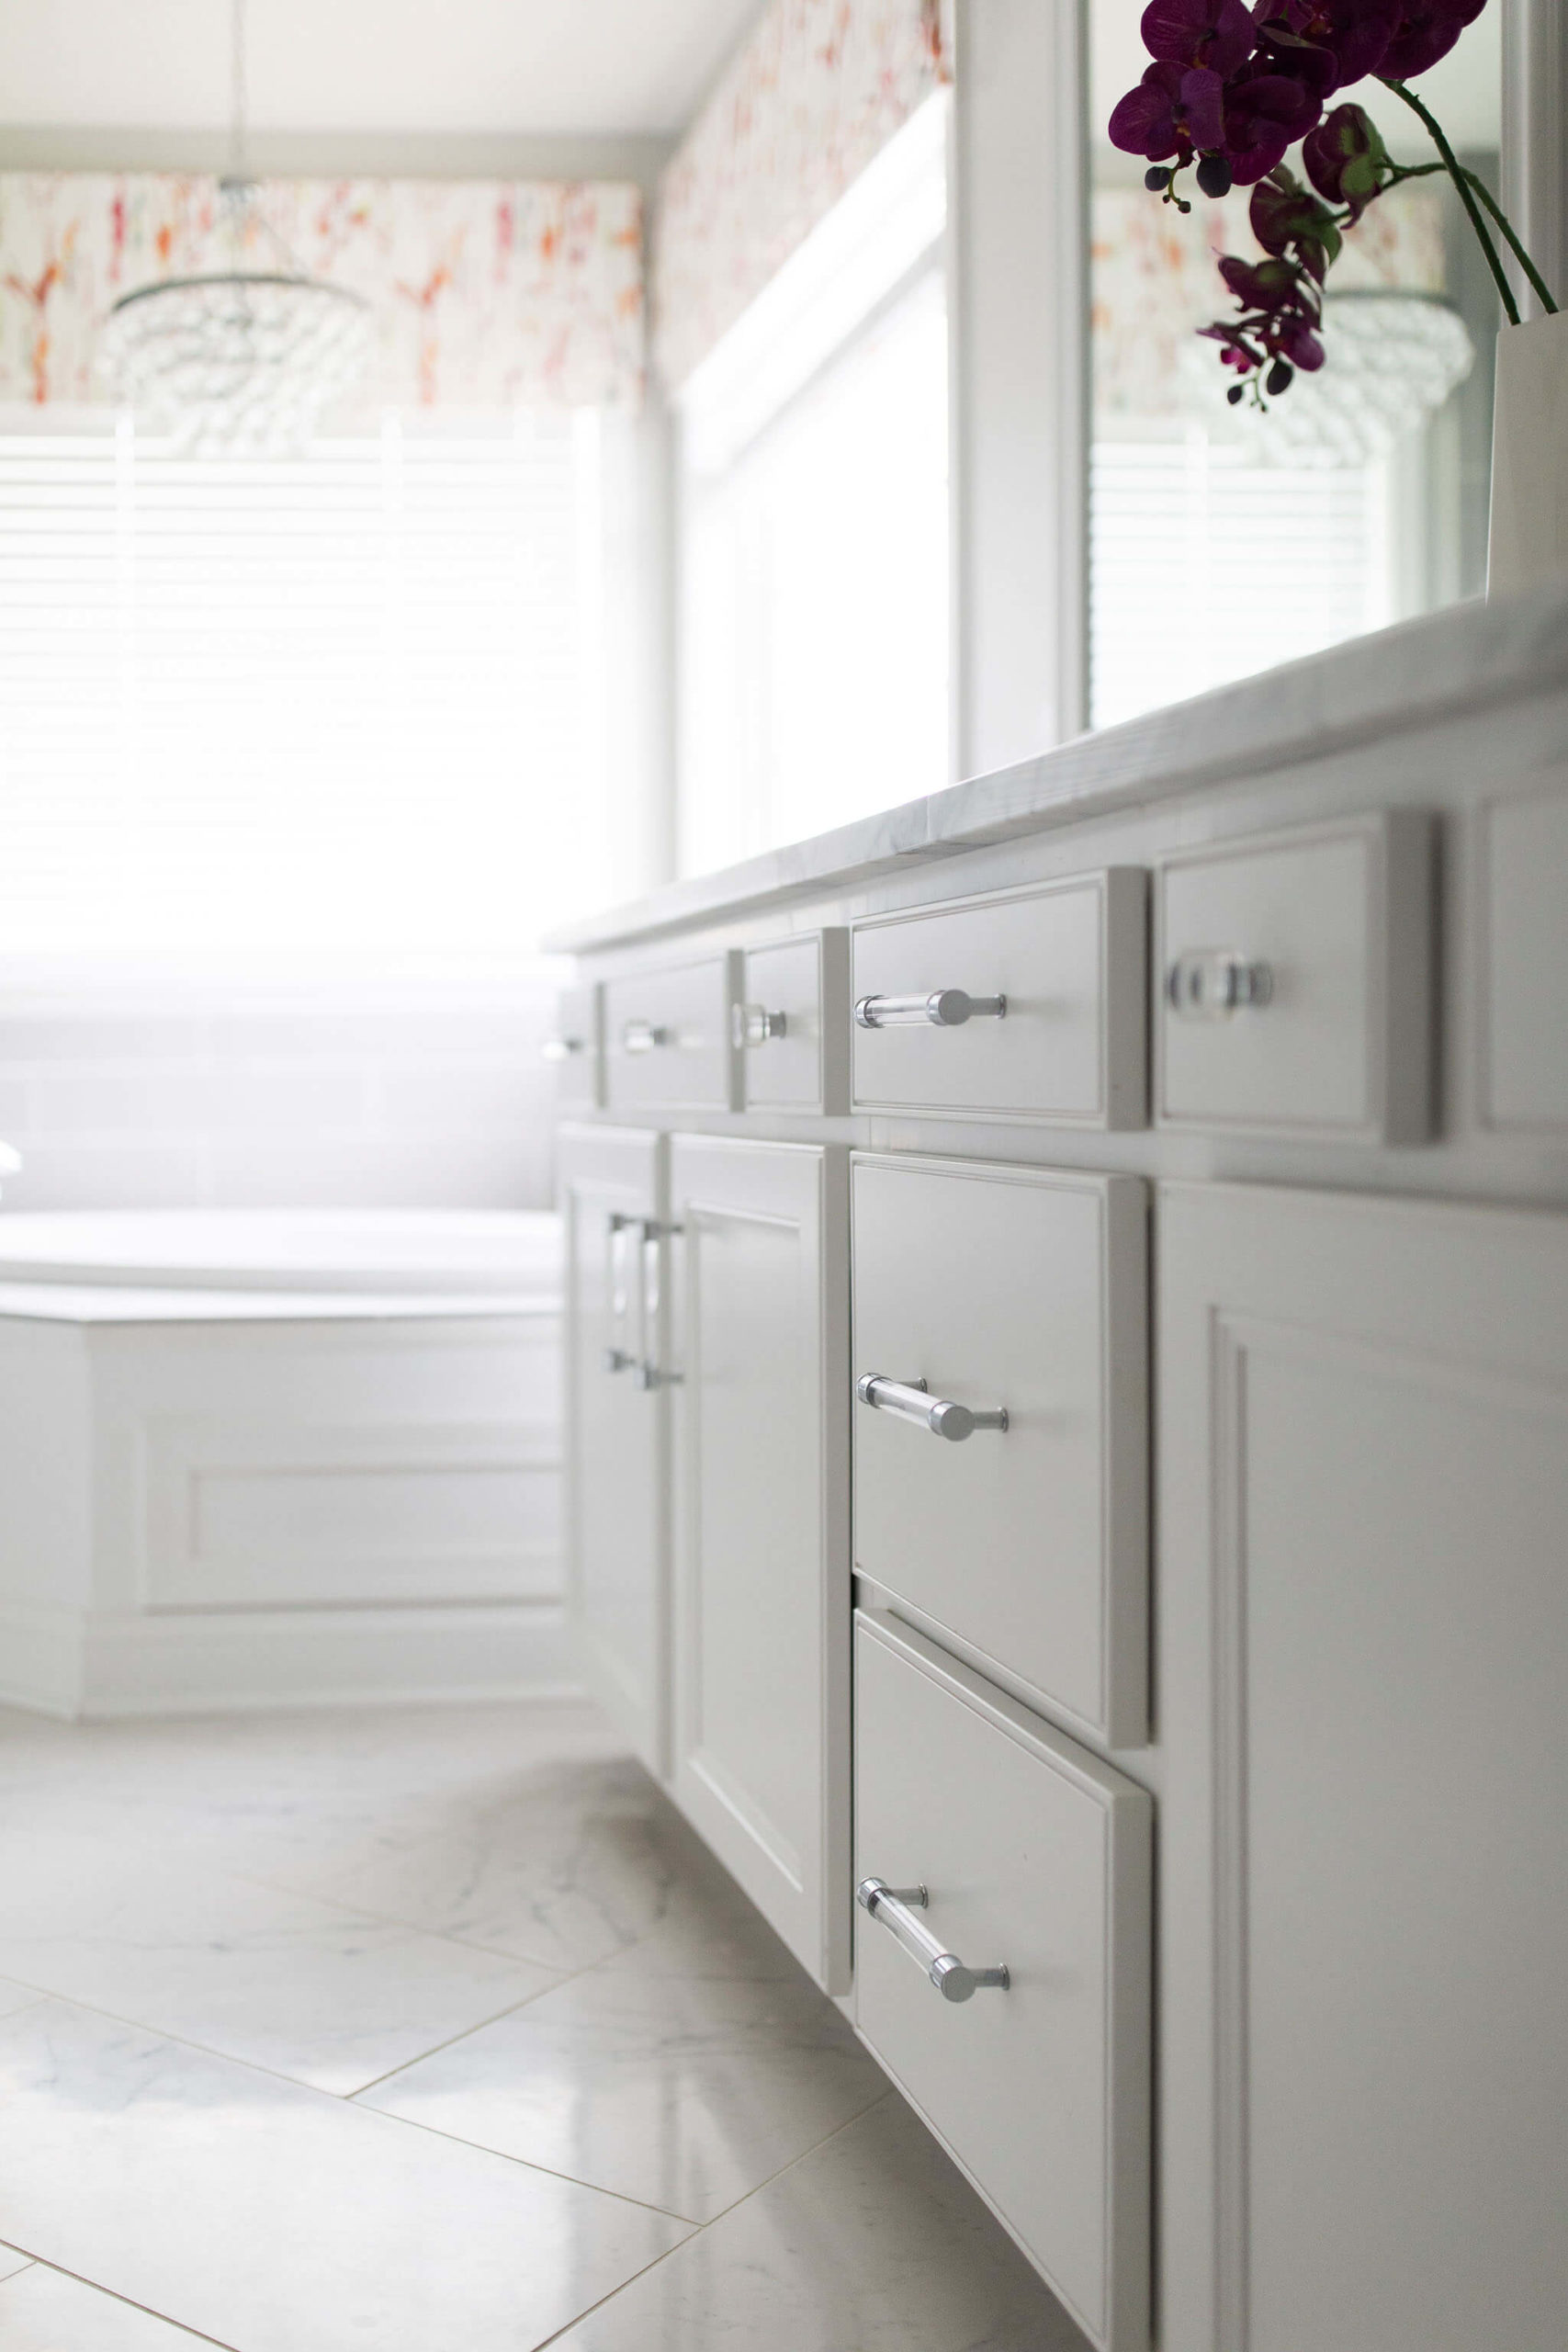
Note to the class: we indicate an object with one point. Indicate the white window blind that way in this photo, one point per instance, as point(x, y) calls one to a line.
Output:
point(1207, 568)
point(344, 702)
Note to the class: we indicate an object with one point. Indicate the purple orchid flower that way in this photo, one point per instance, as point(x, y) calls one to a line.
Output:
point(1171, 113)
point(1426, 30)
point(1264, 117)
point(1218, 34)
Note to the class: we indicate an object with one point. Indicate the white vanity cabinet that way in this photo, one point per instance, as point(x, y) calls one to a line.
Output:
point(611, 1192)
point(1363, 1629)
point(1148, 1163)
point(761, 1313)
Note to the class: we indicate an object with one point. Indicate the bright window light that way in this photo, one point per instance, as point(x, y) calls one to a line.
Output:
point(344, 705)
point(815, 539)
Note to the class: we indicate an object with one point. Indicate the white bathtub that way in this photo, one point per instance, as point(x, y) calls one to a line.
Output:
point(388, 1250)
point(254, 1458)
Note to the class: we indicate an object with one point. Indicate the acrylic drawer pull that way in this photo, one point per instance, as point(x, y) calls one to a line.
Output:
point(895, 1907)
point(908, 1401)
point(944, 1008)
point(643, 1037)
point(753, 1024)
point(1211, 983)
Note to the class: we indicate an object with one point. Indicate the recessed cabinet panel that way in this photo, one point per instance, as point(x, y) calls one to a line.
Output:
point(1364, 1896)
point(1295, 979)
point(792, 1024)
point(667, 1038)
point(1003, 1290)
point(1055, 979)
point(1033, 1858)
point(761, 1443)
point(1524, 981)
point(612, 1200)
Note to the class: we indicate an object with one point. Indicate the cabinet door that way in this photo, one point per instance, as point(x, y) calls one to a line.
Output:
point(1362, 1624)
point(761, 1299)
point(612, 1202)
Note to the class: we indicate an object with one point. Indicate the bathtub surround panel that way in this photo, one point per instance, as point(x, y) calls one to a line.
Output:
point(222, 1497)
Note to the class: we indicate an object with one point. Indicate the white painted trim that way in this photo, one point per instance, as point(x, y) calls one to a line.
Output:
point(1535, 138)
point(1018, 242)
point(59, 1663)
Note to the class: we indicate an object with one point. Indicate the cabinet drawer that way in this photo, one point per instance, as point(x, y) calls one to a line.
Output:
point(1524, 1028)
point(1295, 989)
point(667, 1042)
point(576, 1047)
point(791, 1023)
point(1007, 1288)
point(1035, 1858)
point(1065, 960)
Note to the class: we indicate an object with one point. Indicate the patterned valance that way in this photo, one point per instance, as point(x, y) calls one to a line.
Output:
point(1157, 281)
point(487, 294)
point(809, 102)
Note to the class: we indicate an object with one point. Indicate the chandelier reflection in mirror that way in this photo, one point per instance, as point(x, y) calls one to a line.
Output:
point(1397, 356)
point(242, 359)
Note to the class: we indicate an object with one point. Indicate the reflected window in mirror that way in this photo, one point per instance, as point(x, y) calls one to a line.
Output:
point(1226, 538)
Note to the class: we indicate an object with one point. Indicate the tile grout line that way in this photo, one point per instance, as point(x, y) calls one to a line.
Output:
point(702, 2227)
point(526, 2164)
point(38, 2261)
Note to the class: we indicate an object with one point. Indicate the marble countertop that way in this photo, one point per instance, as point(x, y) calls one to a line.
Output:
point(1445, 664)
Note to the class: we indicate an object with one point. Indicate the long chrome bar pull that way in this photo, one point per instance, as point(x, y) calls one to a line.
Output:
point(896, 1906)
point(943, 1008)
point(908, 1401)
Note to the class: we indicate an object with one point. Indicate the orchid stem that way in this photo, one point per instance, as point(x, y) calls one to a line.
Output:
point(1501, 217)
point(1461, 179)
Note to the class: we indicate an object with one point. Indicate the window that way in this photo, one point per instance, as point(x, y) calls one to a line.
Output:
point(352, 703)
point(815, 605)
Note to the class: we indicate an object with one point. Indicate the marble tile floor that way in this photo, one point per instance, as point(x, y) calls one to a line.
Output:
point(436, 2030)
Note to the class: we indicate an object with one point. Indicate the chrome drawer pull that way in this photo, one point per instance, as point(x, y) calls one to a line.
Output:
point(944, 1007)
point(560, 1049)
point(618, 1360)
point(753, 1024)
point(642, 1036)
point(895, 1907)
point(1211, 983)
point(909, 1401)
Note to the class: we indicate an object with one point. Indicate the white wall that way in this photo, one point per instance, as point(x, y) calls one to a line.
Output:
point(321, 1094)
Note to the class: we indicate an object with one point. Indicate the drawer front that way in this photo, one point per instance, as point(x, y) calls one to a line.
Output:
point(791, 1023)
point(1295, 989)
point(576, 1047)
point(1005, 1288)
point(1524, 1029)
point(1035, 1858)
point(667, 1039)
point(1068, 959)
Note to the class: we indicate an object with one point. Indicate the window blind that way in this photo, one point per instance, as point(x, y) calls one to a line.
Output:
point(352, 701)
point(1182, 533)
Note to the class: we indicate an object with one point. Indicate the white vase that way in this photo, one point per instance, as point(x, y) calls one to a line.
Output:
point(1529, 458)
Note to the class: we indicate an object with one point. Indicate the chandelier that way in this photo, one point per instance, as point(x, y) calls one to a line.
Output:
point(1393, 358)
point(240, 358)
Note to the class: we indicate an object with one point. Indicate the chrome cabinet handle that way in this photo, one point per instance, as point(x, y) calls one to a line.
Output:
point(561, 1049)
point(619, 1230)
point(1211, 983)
point(895, 1907)
point(753, 1024)
point(643, 1037)
point(944, 1007)
point(650, 1375)
point(909, 1400)
point(618, 1360)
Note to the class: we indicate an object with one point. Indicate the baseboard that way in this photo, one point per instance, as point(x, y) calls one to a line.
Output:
point(236, 1661)
point(40, 1659)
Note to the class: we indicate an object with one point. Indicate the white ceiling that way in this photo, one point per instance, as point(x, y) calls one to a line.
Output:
point(451, 66)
